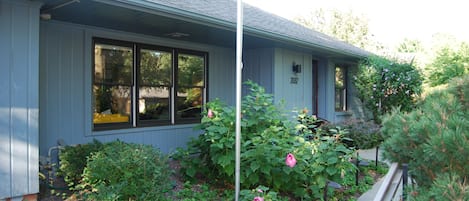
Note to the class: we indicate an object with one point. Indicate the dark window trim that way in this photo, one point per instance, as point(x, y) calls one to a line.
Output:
point(136, 46)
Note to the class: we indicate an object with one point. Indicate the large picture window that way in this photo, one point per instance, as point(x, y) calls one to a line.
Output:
point(137, 85)
point(340, 89)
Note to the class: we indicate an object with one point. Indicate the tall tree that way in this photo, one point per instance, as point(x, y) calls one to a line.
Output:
point(410, 46)
point(345, 26)
point(450, 62)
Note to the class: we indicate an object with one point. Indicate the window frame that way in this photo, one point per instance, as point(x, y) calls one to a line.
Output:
point(134, 120)
point(343, 90)
point(176, 86)
point(148, 123)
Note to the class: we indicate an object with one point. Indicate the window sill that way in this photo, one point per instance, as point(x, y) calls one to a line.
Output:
point(343, 113)
point(142, 129)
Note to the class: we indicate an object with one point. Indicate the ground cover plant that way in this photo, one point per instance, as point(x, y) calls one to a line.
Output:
point(434, 141)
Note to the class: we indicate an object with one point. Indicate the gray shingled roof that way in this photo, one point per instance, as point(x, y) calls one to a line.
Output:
point(257, 21)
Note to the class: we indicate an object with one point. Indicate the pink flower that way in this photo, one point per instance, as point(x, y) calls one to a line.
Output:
point(260, 190)
point(258, 199)
point(290, 160)
point(210, 113)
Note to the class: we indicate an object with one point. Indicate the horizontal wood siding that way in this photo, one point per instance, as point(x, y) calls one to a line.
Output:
point(19, 36)
point(65, 87)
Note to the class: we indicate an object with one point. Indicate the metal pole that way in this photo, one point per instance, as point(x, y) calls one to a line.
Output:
point(405, 175)
point(325, 191)
point(239, 65)
point(358, 169)
point(376, 161)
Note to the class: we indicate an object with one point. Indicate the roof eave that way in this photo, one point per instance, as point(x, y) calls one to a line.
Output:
point(305, 44)
point(151, 7)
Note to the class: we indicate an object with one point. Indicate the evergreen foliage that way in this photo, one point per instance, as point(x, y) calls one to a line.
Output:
point(446, 187)
point(434, 138)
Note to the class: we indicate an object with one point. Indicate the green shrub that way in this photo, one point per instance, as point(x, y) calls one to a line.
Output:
point(267, 138)
point(383, 84)
point(124, 171)
point(73, 161)
point(362, 134)
point(446, 187)
point(357, 133)
point(433, 139)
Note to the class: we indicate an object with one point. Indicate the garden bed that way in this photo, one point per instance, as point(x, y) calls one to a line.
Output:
point(204, 190)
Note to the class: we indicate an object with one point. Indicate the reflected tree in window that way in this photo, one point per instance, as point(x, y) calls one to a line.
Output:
point(190, 85)
point(340, 89)
point(137, 85)
point(155, 83)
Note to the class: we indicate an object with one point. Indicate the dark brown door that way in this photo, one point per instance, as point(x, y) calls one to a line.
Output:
point(315, 88)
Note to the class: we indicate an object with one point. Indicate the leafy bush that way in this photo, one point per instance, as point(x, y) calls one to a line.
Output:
point(267, 139)
point(357, 133)
point(73, 161)
point(383, 84)
point(433, 139)
point(124, 171)
point(362, 134)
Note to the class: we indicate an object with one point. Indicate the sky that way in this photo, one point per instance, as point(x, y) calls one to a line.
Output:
point(390, 21)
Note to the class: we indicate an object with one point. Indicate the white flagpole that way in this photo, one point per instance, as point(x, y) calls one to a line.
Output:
point(239, 65)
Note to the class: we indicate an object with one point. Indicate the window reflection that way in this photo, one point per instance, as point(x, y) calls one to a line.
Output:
point(340, 89)
point(190, 86)
point(155, 83)
point(189, 102)
point(161, 86)
point(112, 84)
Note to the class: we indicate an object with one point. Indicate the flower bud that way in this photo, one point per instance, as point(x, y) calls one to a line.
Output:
point(290, 160)
point(210, 113)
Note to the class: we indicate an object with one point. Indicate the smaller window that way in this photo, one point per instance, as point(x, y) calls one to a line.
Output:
point(340, 89)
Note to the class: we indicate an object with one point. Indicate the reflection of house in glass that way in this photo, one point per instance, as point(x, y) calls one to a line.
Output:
point(154, 103)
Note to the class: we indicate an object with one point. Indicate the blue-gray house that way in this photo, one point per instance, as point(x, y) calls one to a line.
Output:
point(141, 70)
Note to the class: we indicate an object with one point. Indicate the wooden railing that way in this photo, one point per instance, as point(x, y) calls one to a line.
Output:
point(394, 183)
